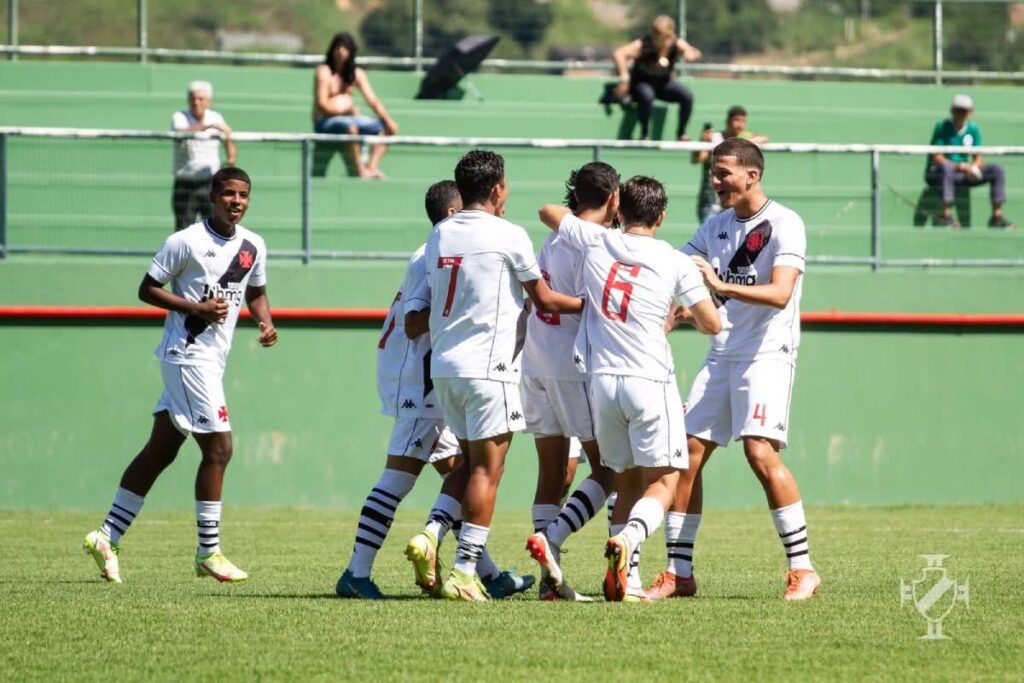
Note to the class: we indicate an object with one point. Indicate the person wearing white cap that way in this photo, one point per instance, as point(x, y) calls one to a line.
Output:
point(949, 170)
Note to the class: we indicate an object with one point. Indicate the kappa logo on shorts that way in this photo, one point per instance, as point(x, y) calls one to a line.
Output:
point(210, 253)
point(203, 420)
point(780, 427)
point(407, 404)
point(516, 415)
point(222, 413)
point(417, 444)
point(678, 453)
point(723, 235)
point(500, 367)
point(785, 348)
point(577, 359)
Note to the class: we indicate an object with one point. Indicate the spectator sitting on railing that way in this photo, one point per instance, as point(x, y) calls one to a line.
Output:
point(735, 127)
point(197, 159)
point(335, 112)
point(654, 59)
point(949, 170)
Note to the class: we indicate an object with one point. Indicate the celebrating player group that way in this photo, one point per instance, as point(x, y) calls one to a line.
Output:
point(465, 360)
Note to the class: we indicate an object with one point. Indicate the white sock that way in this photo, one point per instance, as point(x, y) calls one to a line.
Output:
point(472, 542)
point(792, 527)
point(542, 515)
point(486, 567)
point(633, 583)
point(446, 512)
point(611, 506)
point(644, 520)
point(375, 518)
point(583, 504)
point(208, 526)
point(123, 510)
point(680, 535)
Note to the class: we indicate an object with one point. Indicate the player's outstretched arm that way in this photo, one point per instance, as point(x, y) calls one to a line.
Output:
point(548, 300)
point(704, 316)
point(154, 294)
point(259, 306)
point(417, 323)
point(776, 294)
point(551, 215)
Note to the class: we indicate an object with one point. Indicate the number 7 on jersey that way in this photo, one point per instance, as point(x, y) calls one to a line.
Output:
point(452, 262)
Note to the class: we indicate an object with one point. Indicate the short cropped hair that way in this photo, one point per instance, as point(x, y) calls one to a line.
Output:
point(441, 196)
point(228, 173)
point(201, 86)
point(734, 111)
point(589, 186)
point(477, 173)
point(746, 152)
point(642, 200)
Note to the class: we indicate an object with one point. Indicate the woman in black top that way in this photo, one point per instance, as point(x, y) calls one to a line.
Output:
point(654, 59)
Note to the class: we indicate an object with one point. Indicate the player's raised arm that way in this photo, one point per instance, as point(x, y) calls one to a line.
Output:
point(551, 215)
point(548, 300)
point(776, 293)
point(259, 306)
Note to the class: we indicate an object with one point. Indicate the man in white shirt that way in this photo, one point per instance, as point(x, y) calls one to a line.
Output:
point(212, 267)
point(478, 265)
point(197, 159)
point(630, 280)
point(556, 397)
point(752, 258)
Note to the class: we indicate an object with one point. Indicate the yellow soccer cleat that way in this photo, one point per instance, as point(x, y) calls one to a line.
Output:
point(104, 552)
point(219, 567)
point(462, 586)
point(422, 552)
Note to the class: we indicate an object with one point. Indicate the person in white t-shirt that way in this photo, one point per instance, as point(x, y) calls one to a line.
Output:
point(752, 257)
point(196, 159)
point(212, 267)
point(556, 397)
point(477, 266)
point(630, 281)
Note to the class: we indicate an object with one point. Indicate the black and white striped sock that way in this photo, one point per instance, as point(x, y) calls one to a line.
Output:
point(123, 510)
point(472, 543)
point(611, 507)
point(581, 507)
point(680, 537)
point(543, 514)
point(207, 527)
point(791, 524)
point(445, 513)
point(375, 518)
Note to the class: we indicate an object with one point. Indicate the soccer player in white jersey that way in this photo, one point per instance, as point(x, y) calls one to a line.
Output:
point(752, 258)
point(478, 265)
point(556, 397)
point(630, 281)
point(406, 391)
point(212, 267)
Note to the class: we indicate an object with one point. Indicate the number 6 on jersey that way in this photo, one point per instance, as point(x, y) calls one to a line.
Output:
point(625, 287)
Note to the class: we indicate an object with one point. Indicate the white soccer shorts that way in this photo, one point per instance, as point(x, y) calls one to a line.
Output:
point(194, 398)
point(731, 399)
point(556, 407)
point(423, 438)
point(639, 422)
point(479, 408)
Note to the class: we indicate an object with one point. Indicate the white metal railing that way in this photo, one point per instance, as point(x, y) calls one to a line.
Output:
point(308, 140)
point(416, 61)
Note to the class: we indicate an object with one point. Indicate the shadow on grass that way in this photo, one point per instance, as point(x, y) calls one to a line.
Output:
point(310, 596)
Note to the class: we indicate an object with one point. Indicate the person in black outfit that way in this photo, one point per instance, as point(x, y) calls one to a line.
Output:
point(654, 59)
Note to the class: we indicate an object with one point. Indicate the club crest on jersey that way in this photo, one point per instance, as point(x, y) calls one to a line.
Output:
point(741, 268)
point(245, 259)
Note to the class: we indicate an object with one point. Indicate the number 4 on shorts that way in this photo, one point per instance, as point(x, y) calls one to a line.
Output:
point(760, 408)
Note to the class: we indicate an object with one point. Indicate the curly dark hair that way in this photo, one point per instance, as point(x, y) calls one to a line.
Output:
point(348, 69)
point(477, 173)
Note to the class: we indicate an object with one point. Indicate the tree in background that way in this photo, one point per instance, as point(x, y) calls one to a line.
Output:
point(981, 37)
point(720, 28)
point(525, 21)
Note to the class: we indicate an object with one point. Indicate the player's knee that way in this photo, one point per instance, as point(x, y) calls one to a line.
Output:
point(219, 453)
point(761, 456)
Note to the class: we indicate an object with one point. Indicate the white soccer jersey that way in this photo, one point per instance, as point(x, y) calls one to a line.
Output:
point(476, 263)
point(744, 251)
point(403, 364)
point(630, 282)
point(197, 158)
point(201, 265)
point(548, 351)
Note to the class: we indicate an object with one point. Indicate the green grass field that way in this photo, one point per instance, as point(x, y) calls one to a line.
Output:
point(60, 622)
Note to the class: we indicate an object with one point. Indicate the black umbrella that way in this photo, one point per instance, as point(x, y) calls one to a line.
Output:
point(460, 59)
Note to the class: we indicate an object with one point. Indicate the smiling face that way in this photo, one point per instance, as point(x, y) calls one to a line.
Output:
point(230, 202)
point(731, 180)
